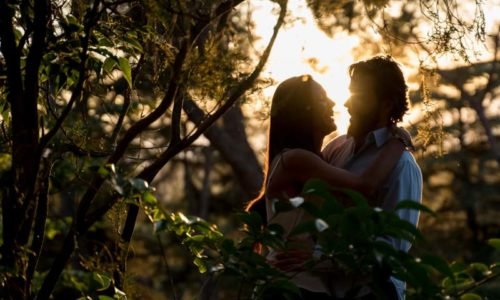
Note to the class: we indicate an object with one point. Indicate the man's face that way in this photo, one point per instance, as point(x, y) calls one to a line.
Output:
point(363, 106)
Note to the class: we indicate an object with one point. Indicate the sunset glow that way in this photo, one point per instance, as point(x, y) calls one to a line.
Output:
point(301, 48)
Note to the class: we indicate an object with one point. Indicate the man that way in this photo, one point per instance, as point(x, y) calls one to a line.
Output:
point(378, 101)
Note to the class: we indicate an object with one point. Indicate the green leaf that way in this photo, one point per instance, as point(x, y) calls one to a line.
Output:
point(133, 42)
point(332, 206)
point(275, 229)
point(139, 184)
point(103, 280)
point(479, 270)
point(480, 267)
point(470, 296)
point(228, 246)
point(286, 286)
point(462, 282)
point(314, 186)
point(282, 206)
point(119, 294)
point(495, 243)
point(458, 266)
point(439, 264)
point(103, 171)
point(149, 198)
point(109, 64)
point(304, 227)
point(196, 238)
point(253, 220)
point(312, 209)
point(410, 204)
point(356, 197)
point(160, 225)
point(125, 68)
point(105, 42)
point(200, 263)
point(495, 266)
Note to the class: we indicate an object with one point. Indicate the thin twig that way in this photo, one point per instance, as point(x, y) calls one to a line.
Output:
point(169, 271)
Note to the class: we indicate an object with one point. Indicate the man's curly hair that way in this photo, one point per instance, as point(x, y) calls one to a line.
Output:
point(389, 82)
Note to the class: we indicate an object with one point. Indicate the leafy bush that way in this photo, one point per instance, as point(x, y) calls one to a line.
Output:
point(352, 238)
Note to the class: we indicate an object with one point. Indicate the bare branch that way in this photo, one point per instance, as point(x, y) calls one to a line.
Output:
point(39, 226)
point(176, 121)
point(126, 103)
point(493, 73)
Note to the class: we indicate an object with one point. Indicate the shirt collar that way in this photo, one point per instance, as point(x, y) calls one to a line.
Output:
point(378, 137)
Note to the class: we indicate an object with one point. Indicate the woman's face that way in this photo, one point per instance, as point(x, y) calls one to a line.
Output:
point(322, 110)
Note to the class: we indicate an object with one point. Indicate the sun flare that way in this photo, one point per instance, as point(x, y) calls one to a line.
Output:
point(301, 48)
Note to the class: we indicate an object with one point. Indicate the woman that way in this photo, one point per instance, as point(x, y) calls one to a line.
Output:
point(301, 116)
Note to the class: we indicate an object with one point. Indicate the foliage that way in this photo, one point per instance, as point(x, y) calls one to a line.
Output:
point(353, 239)
point(92, 95)
point(96, 97)
point(450, 26)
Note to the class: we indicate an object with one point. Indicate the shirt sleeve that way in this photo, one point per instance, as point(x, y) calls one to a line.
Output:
point(405, 183)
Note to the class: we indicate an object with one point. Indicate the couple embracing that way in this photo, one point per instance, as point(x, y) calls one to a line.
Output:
point(373, 158)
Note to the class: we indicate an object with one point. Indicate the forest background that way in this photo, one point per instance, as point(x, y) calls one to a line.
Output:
point(110, 106)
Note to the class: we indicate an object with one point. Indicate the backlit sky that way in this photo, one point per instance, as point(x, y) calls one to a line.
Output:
point(301, 41)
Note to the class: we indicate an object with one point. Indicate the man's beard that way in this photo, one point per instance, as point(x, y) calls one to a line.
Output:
point(359, 127)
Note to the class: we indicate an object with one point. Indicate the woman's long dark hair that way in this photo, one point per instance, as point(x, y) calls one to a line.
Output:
point(291, 126)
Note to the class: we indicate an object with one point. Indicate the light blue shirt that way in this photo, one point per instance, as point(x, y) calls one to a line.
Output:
point(404, 182)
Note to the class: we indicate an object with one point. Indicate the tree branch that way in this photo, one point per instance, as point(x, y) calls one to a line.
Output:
point(176, 121)
point(10, 203)
point(10, 52)
point(165, 103)
point(234, 148)
point(84, 221)
point(39, 226)
point(150, 172)
point(77, 91)
point(126, 103)
point(36, 53)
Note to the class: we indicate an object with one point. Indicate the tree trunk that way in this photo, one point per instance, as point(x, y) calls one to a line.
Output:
point(231, 141)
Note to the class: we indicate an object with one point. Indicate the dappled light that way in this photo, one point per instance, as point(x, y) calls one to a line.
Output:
point(138, 160)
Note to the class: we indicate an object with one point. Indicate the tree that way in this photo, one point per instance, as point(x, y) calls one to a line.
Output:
point(98, 97)
point(464, 97)
point(111, 57)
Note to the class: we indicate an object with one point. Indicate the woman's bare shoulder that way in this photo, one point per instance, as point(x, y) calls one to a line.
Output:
point(299, 157)
point(299, 153)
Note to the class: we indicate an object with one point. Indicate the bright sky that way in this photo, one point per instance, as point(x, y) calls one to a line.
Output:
point(301, 41)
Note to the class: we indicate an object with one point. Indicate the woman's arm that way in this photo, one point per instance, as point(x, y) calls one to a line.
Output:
point(303, 165)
